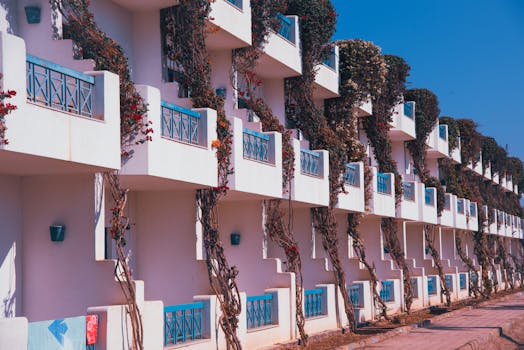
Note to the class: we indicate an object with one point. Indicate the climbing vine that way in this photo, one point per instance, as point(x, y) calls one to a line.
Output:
point(506, 265)
point(185, 31)
point(429, 235)
point(473, 282)
point(81, 27)
point(5, 109)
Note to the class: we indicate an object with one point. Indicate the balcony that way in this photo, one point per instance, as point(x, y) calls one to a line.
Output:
point(472, 218)
point(256, 160)
point(310, 185)
point(490, 228)
point(476, 166)
point(429, 209)
point(409, 206)
point(65, 121)
point(501, 225)
point(383, 200)
point(327, 78)
point(183, 323)
point(352, 199)
point(230, 22)
point(460, 218)
point(180, 154)
point(447, 218)
point(403, 122)
point(486, 173)
point(281, 57)
point(364, 109)
point(438, 142)
point(495, 178)
point(455, 155)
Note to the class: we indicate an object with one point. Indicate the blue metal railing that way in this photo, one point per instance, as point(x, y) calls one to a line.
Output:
point(352, 175)
point(432, 285)
point(183, 323)
point(408, 189)
point(285, 27)
point(383, 183)
point(331, 61)
point(409, 109)
point(463, 281)
point(90, 347)
point(237, 3)
point(59, 87)
point(180, 124)
point(258, 311)
point(309, 162)
point(449, 282)
point(256, 145)
point(313, 302)
point(460, 206)
point(442, 132)
point(472, 209)
point(355, 294)
point(387, 292)
point(428, 197)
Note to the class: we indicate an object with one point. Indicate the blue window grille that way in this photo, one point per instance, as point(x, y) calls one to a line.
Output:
point(408, 189)
point(449, 282)
point(309, 162)
point(387, 292)
point(472, 209)
point(259, 313)
point(352, 175)
point(383, 181)
point(414, 287)
point(463, 281)
point(409, 109)
point(432, 285)
point(442, 132)
point(313, 302)
point(285, 27)
point(355, 294)
point(183, 323)
point(460, 206)
point(428, 197)
point(331, 61)
point(90, 347)
point(256, 146)
point(59, 87)
point(237, 3)
point(447, 202)
point(180, 124)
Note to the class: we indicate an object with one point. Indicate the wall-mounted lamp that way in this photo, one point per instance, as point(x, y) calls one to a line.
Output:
point(57, 233)
point(235, 238)
point(426, 250)
point(386, 250)
point(221, 92)
point(32, 14)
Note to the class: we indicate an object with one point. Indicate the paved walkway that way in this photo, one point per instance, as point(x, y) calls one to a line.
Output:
point(496, 326)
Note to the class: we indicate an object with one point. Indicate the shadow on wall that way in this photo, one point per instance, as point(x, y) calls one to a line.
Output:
point(8, 16)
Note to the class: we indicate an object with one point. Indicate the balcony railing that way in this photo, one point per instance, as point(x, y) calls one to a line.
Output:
point(256, 146)
point(387, 292)
point(355, 294)
point(472, 209)
point(428, 197)
point(463, 278)
point(442, 132)
point(180, 124)
point(460, 206)
point(309, 162)
point(237, 3)
point(351, 175)
point(331, 61)
point(313, 302)
point(408, 189)
point(432, 285)
point(286, 26)
point(409, 109)
point(258, 311)
point(59, 87)
point(449, 282)
point(383, 183)
point(183, 323)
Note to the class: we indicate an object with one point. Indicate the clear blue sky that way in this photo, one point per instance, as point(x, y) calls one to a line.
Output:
point(469, 52)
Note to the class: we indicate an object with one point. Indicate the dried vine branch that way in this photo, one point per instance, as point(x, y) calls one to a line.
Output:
point(429, 234)
point(473, 285)
point(508, 269)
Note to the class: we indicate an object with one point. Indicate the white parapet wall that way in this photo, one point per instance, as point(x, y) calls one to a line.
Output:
point(13, 333)
point(352, 199)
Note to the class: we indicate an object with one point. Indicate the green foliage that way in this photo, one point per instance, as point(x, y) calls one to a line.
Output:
point(470, 141)
point(426, 111)
point(493, 154)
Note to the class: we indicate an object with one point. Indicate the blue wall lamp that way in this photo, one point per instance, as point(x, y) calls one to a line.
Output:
point(33, 14)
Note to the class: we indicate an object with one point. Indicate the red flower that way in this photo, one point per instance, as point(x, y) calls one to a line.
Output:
point(12, 92)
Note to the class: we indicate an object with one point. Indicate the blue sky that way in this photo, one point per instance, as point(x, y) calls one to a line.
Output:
point(469, 52)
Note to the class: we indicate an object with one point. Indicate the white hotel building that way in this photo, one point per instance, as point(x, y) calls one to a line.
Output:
point(50, 175)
